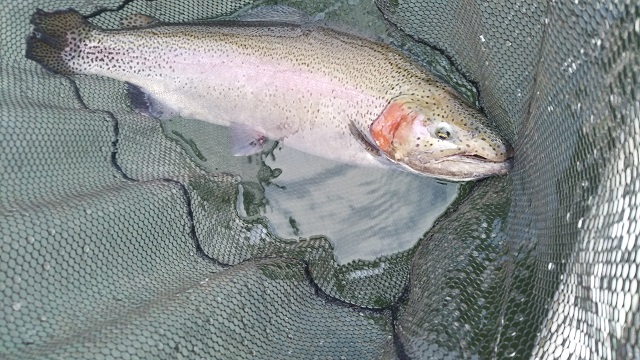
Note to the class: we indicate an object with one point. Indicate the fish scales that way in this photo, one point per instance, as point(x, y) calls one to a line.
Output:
point(301, 84)
point(149, 56)
point(295, 79)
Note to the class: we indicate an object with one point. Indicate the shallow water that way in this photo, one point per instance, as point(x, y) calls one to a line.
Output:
point(365, 212)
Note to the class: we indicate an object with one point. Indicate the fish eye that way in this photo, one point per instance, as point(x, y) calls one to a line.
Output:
point(443, 134)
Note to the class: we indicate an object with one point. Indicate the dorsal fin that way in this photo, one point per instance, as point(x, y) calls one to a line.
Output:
point(138, 21)
point(275, 13)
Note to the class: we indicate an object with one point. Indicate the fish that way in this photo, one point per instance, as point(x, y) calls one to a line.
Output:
point(321, 90)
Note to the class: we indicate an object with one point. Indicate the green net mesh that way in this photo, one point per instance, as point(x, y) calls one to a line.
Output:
point(125, 237)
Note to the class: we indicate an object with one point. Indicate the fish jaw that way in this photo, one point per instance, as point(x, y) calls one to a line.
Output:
point(456, 168)
point(444, 138)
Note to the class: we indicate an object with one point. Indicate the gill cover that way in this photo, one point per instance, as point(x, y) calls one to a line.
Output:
point(436, 128)
point(440, 136)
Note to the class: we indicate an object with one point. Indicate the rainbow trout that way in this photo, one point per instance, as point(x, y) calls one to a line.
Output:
point(316, 89)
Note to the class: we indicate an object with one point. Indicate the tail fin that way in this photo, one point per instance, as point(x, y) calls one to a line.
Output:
point(49, 38)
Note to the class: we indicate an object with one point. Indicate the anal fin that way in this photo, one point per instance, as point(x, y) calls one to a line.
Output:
point(144, 103)
point(245, 141)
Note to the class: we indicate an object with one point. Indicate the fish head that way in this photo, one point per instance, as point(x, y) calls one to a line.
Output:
point(440, 136)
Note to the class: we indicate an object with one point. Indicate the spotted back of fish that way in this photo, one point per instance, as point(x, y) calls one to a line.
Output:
point(301, 83)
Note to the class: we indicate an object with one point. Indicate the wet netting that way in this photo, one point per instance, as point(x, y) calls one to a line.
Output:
point(116, 243)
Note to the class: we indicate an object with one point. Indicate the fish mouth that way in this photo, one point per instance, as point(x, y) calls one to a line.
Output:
point(461, 167)
point(474, 158)
point(507, 157)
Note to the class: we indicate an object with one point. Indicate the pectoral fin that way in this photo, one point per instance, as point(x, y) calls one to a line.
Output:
point(363, 140)
point(245, 141)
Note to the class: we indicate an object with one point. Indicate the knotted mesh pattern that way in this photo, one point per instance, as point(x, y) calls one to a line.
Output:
point(118, 239)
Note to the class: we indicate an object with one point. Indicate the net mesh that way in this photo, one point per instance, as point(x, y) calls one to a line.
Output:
point(116, 242)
